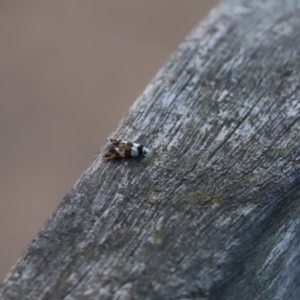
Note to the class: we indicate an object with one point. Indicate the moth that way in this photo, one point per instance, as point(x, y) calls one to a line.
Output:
point(124, 149)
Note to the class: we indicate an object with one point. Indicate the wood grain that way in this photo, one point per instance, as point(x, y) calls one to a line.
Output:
point(213, 211)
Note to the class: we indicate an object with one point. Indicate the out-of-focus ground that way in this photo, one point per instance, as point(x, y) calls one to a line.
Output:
point(69, 71)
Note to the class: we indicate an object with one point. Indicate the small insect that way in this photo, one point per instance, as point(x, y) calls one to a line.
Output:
point(124, 149)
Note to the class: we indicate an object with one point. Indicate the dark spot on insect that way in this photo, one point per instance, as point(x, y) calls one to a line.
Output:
point(127, 153)
point(140, 150)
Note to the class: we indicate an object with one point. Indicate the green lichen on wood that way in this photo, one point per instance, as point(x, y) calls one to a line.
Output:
point(158, 237)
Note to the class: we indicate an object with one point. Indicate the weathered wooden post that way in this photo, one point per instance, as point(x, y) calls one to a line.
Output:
point(213, 211)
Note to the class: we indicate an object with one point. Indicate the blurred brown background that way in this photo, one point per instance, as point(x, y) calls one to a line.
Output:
point(69, 71)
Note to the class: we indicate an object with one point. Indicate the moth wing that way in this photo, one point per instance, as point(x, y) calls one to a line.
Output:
point(112, 153)
point(125, 145)
point(113, 142)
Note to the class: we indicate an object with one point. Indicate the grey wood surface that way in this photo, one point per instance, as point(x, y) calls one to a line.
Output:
point(213, 211)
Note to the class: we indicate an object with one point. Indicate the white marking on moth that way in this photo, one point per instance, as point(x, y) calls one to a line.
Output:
point(134, 152)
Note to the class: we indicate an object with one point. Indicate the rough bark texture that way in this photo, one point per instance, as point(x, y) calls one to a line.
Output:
point(213, 212)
